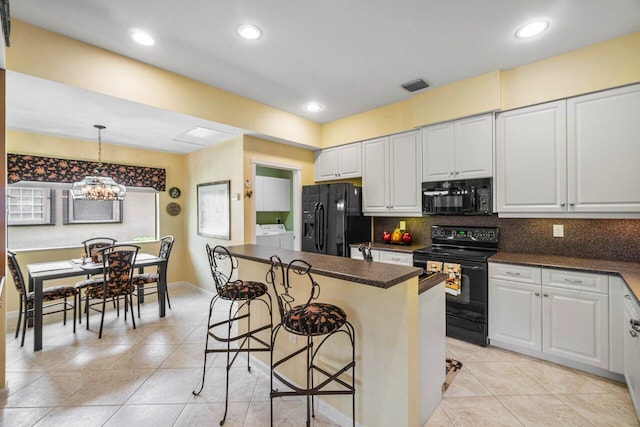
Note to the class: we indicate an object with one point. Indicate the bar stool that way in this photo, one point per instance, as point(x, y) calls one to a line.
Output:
point(240, 294)
point(310, 320)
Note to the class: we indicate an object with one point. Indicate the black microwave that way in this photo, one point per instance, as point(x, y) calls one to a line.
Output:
point(458, 197)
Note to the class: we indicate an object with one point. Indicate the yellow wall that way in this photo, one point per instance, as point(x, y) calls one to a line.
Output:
point(273, 152)
point(3, 236)
point(43, 145)
point(220, 162)
point(603, 65)
point(51, 56)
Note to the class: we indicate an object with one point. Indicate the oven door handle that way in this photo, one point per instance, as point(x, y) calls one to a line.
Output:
point(472, 268)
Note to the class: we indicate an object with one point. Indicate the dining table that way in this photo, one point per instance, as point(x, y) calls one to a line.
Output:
point(39, 273)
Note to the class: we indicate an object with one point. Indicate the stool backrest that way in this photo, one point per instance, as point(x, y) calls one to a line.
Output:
point(282, 284)
point(222, 265)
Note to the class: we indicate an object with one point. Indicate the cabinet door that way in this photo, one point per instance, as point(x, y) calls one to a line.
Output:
point(575, 325)
point(603, 151)
point(514, 313)
point(375, 175)
point(632, 351)
point(326, 164)
point(531, 170)
point(280, 192)
point(616, 324)
point(392, 257)
point(350, 161)
point(405, 165)
point(474, 147)
point(259, 194)
point(438, 152)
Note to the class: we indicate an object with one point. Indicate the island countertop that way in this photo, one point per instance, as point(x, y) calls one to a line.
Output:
point(368, 273)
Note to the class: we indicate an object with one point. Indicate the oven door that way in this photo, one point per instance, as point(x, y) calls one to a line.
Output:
point(467, 312)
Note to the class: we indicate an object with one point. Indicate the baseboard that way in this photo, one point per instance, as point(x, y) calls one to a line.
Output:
point(559, 360)
point(322, 407)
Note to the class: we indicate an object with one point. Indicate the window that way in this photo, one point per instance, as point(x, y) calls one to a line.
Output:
point(90, 211)
point(29, 206)
point(134, 219)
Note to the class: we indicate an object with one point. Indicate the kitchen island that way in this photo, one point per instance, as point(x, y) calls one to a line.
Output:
point(382, 302)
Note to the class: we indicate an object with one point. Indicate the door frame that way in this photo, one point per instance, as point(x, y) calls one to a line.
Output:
point(296, 191)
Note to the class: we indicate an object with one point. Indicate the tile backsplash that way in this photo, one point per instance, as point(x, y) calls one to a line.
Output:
point(608, 239)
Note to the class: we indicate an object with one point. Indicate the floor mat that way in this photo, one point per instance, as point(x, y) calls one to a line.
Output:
point(453, 366)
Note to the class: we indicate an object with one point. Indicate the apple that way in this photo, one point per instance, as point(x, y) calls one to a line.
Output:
point(386, 236)
point(406, 237)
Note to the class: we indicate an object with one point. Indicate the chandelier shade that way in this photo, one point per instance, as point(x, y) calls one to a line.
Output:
point(98, 186)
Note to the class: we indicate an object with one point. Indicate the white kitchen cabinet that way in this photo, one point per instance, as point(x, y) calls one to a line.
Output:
point(272, 194)
point(531, 159)
point(340, 162)
point(570, 157)
point(515, 313)
point(632, 348)
point(386, 256)
point(462, 149)
point(603, 151)
point(554, 312)
point(391, 175)
point(617, 327)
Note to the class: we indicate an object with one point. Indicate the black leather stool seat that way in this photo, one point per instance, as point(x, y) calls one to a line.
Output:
point(243, 290)
point(314, 319)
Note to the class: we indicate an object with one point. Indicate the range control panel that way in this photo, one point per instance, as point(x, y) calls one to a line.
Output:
point(464, 234)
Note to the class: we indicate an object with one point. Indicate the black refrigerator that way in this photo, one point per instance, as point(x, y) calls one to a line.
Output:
point(332, 218)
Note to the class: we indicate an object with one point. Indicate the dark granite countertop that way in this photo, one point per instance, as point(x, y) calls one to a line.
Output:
point(366, 272)
point(629, 271)
point(390, 246)
point(431, 281)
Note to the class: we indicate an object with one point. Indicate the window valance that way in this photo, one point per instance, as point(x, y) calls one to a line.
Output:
point(22, 167)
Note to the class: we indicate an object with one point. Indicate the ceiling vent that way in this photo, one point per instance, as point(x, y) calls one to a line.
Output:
point(415, 85)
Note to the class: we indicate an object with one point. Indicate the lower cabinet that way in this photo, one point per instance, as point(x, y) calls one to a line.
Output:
point(632, 348)
point(382, 255)
point(548, 311)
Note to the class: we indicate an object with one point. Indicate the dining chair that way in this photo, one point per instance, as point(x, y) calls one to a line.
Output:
point(117, 265)
point(52, 293)
point(143, 282)
point(93, 246)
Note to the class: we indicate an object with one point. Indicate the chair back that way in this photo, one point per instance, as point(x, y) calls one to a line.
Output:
point(166, 244)
point(222, 265)
point(93, 246)
point(282, 284)
point(16, 273)
point(118, 262)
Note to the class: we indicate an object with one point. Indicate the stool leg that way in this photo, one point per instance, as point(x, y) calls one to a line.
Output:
point(206, 346)
point(226, 392)
point(249, 337)
point(309, 373)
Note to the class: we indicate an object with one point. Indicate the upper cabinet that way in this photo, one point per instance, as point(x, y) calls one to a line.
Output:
point(273, 194)
point(391, 175)
point(340, 162)
point(462, 149)
point(570, 157)
point(531, 146)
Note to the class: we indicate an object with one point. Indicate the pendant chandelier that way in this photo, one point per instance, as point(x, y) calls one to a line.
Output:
point(98, 187)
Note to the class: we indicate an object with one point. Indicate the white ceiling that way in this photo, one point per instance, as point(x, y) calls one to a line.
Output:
point(350, 56)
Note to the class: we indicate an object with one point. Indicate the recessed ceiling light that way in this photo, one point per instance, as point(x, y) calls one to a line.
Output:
point(313, 107)
point(532, 29)
point(249, 32)
point(143, 38)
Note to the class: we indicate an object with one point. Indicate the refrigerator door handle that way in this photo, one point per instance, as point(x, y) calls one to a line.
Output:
point(315, 228)
point(322, 230)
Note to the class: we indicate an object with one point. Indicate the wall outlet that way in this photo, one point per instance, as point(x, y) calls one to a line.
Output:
point(558, 230)
point(292, 338)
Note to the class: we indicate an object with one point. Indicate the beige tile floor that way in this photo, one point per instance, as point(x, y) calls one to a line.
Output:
point(145, 377)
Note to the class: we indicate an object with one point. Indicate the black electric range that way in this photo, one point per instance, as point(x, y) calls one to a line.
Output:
point(469, 247)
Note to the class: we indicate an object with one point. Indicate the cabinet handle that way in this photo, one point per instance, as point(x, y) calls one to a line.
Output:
point(537, 294)
point(511, 273)
point(572, 204)
point(635, 325)
point(562, 204)
point(627, 297)
point(545, 295)
point(456, 173)
point(450, 173)
point(572, 281)
point(633, 333)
